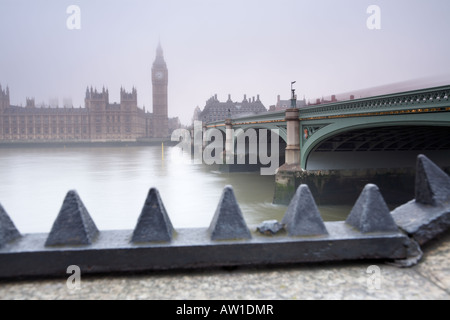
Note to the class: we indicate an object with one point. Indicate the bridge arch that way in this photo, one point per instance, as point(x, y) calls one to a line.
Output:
point(377, 134)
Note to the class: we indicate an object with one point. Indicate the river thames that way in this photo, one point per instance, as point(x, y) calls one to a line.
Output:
point(113, 183)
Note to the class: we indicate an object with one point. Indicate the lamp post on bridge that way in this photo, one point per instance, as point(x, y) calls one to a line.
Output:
point(288, 174)
point(229, 140)
point(293, 96)
point(293, 131)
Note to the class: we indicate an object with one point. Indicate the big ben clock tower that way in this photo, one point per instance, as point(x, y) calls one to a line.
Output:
point(159, 82)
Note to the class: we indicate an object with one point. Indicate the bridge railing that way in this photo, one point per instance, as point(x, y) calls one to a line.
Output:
point(437, 97)
point(432, 97)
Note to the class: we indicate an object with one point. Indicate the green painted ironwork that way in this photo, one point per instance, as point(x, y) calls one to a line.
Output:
point(426, 107)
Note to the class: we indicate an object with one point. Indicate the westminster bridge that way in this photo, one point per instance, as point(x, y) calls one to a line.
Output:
point(360, 139)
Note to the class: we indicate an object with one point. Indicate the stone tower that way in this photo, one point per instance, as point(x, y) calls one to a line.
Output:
point(96, 104)
point(4, 104)
point(4, 98)
point(159, 83)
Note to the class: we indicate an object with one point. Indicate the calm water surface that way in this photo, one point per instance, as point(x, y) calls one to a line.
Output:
point(113, 184)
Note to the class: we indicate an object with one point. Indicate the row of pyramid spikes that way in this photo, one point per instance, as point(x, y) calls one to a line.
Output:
point(370, 212)
point(74, 226)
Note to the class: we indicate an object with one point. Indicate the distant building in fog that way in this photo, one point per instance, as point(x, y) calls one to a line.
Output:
point(67, 103)
point(53, 102)
point(216, 110)
point(160, 80)
point(286, 104)
point(98, 120)
point(324, 101)
point(174, 123)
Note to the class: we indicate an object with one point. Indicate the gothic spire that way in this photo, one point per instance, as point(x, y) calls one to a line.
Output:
point(159, 60)
point(159, 50)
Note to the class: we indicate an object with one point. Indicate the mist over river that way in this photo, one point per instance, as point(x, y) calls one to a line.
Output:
point(113, 183)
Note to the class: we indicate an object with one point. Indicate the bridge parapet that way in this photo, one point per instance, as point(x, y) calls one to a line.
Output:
point(426, 98)
point(437, 97)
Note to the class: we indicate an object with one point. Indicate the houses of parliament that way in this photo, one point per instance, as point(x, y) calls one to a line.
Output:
point(98, 121)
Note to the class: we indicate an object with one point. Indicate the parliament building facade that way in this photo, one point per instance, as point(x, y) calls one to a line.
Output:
point(98, 121)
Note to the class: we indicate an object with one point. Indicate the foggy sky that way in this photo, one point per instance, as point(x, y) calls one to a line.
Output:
point(219, 47)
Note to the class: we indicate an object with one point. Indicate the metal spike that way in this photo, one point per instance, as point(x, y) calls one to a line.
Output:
point(371, 213)
point(432, 184)
point(302, 218)
point(228, 222)
point(74, 225)
point(153, 224)
point(8, 231)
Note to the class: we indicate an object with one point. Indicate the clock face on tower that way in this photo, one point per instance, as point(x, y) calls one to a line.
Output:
point(159, 75)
